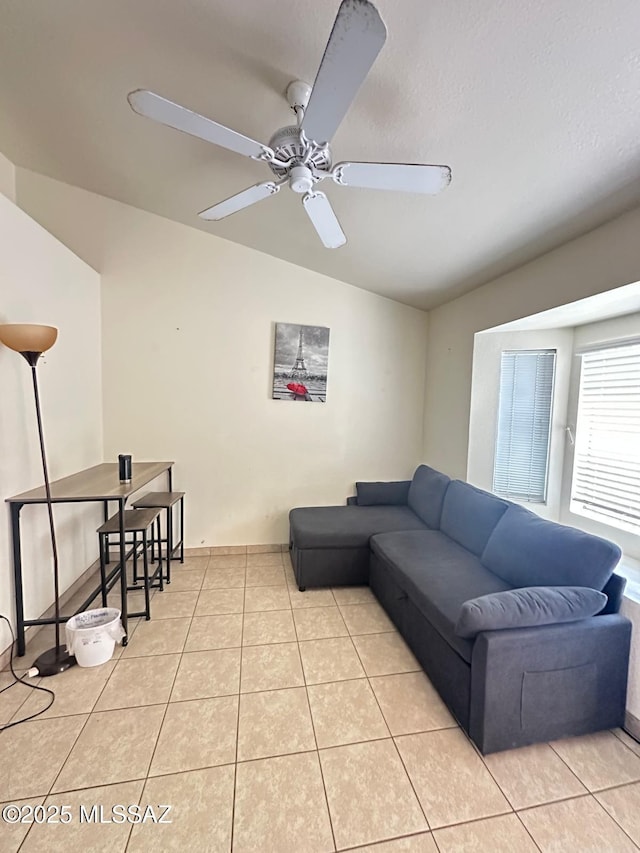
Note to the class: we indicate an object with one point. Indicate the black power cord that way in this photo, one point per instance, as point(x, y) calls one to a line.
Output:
point(18, 680)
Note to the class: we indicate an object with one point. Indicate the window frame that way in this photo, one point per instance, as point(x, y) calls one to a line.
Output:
point(578, 503)
point(505, 438)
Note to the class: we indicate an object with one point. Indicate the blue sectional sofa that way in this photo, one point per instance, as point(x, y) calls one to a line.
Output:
point(514, 618)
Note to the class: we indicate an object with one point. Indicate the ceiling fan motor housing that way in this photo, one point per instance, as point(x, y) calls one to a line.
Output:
point(287, 145)
point(300, 179)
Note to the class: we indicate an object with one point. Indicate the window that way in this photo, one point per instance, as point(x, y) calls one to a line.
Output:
point(524, 422)
point(606, 470)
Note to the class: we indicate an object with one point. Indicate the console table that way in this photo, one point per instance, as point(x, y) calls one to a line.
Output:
point(100, 483)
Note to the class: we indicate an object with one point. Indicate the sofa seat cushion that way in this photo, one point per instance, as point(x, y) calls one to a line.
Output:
point(469, 515)
point(528, 607)
point(526, 550)
point(347, 526)
point(438, 575)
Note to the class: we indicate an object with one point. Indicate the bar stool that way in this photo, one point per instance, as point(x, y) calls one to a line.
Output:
point(139, 523)
point(166, 500)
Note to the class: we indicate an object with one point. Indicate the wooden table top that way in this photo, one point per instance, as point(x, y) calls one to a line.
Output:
point(101, 482)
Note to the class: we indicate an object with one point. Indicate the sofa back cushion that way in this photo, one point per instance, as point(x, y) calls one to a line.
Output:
point(426, 494)
point(383, 493)
point(526, 550)
point(469, 515)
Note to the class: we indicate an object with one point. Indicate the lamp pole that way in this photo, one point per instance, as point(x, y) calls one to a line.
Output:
point(32, 358)
point(31, 341)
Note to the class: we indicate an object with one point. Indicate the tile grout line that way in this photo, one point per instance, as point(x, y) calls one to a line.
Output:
point(235, 763)
point(313, 728)
point(570, 769)
point(358, 847)
point(395, 745)
point(72, 747)
point(499, 787)
point(526, 829)
point(488, 769)
point(48, 794)
point(615, 787)
point(144, 785)
point(613, 818)
point(587, 795)
point(166, 709)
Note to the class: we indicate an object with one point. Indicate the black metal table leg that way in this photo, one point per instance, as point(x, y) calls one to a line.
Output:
point(123, 572)
point(169, 542)
point(160, 568)
point(105, 513)
point(182, 529)
point(17, 574)
point(103, 572)
point(145, 565)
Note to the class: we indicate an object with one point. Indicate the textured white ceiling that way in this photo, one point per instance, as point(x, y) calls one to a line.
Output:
point(534, 105)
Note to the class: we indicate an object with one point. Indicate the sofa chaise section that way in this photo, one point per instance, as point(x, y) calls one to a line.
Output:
point(330, 545)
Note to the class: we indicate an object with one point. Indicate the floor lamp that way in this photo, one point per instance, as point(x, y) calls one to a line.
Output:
point(31, 341)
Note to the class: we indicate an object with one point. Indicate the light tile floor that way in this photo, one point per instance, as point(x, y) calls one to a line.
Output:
point(284, 722)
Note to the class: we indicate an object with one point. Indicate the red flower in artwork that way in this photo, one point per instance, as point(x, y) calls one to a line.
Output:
point(298, 389)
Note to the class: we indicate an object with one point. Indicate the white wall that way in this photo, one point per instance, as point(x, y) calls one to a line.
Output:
point(188, 333)
point(41, 281)
point(7, 178)
point(485, 394)
point(605, 258)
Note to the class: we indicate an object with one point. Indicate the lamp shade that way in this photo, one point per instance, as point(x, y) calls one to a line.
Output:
point(28, 337)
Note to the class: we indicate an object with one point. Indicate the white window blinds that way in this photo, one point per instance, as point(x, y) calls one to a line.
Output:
point(524, 421)
point(606, 470)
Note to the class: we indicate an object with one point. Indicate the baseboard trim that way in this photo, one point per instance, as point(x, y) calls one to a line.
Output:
point(227, 550)
point(632, 725)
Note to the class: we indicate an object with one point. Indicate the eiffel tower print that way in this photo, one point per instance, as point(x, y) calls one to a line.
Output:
point(299, 370)
point(301, 361)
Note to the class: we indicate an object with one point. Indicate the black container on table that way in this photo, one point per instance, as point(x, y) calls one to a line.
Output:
point(124, 467)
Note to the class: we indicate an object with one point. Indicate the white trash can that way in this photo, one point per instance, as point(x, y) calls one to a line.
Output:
point(92, 635)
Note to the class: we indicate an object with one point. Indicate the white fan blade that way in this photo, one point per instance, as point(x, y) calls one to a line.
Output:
point(241, 200)
point(404, 177)
point(356, 39)
point(324, 220)
point(166, 112)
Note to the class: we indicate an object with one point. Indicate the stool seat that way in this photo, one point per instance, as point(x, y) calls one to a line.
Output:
point(135, 521)
point(166, 501)
point(158, 499)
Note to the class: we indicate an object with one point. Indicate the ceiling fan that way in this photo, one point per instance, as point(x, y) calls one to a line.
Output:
point(300, 155)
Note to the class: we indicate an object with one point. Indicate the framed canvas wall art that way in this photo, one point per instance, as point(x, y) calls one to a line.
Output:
point(300, 363)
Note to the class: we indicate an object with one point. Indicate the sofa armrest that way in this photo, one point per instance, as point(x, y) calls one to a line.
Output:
point(538, 684)
point(383, 493)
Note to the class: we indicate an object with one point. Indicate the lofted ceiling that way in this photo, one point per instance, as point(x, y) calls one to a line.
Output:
point(534, 105)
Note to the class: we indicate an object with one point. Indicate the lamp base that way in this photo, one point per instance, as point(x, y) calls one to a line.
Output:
point(53, 661)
